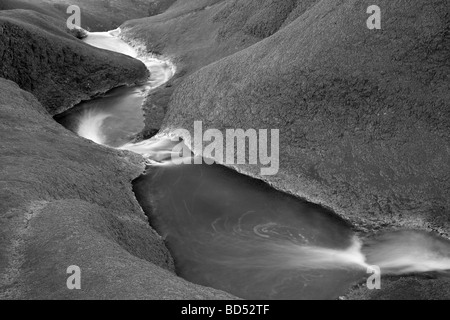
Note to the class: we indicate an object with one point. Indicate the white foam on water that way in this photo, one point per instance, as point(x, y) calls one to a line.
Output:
point(286, 255)
point(157, 149)
point(325, 258)
point(397, 254)
point(90, 126)
point(408, 252)
point(161, 71)
point(405, 263)
point(109, 41)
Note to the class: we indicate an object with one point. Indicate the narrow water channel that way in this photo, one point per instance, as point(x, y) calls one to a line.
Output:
point(231, 232)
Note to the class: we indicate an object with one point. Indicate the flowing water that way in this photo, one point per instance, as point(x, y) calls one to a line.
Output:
point(116, 117)
point(231, 232)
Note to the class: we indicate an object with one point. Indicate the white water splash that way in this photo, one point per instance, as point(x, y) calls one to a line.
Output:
point(287, 255)
point(160, 71)
point(90, 126)
point(325, 258)
point(110, 41)
point(394, 254)
point(91, 121)
point(408, 252)
point(158, 150)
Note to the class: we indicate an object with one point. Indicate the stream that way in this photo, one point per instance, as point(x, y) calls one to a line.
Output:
point(114, 118)
point(231, 232)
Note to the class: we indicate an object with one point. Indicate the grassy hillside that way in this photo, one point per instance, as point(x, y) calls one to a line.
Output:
point(53, 180)
point(196, 33)
point(66, 201)
point(363, 114)
point(364, 122)
point(95, 15)
point(38, 54)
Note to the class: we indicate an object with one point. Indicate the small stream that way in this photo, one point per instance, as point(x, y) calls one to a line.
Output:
point(234, 233)
point(114, 118)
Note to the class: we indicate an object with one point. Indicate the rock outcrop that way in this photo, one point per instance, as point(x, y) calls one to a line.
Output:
point(39, 55)
point(67, 201)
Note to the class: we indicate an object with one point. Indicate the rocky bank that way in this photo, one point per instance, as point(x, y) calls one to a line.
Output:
point(102, 15)
point(60, 70)
point(67, 201)
point(363, 118)
point(363, 114)
point(64, 200)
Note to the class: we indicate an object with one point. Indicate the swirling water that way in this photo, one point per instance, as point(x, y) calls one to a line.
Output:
point(231, 232)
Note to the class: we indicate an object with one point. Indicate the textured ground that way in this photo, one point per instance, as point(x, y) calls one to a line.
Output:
point(411, 288)
point(95, 15)
point(60, 70)
point(196, 33)
point(363, 114)
point(66, 201)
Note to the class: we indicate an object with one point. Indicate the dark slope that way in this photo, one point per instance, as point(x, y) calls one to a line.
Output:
point(406, 288)
point(66, 201)
point(37, 6)
point(196, 33)
point(95, 15)
point(38, 54)
point(364, 115)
